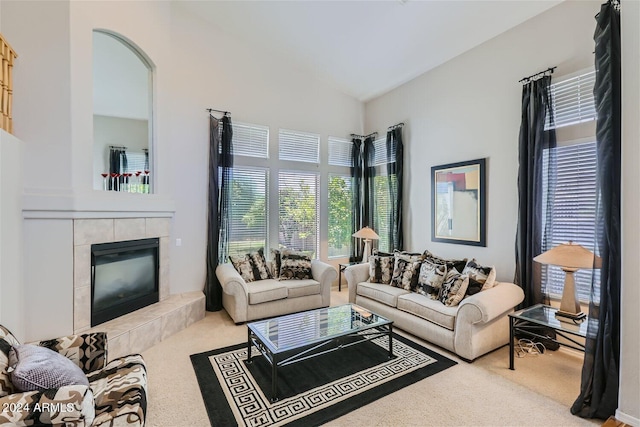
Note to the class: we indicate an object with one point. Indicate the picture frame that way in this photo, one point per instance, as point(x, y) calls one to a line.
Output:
point(458, 203)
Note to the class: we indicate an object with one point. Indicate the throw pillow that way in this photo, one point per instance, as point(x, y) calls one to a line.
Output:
point(458, 264)
point(242, 264)
point(430, 279)
point(38, 368)
point(381, 268)
point(276, 255)
point(295, 265)
point(251, 266)
point(453, 288)
point(6, 341)
point(481, 274)
point(406, 267)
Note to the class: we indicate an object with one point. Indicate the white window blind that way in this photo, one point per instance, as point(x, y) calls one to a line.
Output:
point(340, 213)
point(573, 100)
point(299, 146)
point(339, 152)
point(136, 162)
point(298, 194)
point(249, 216)
point(250, 140)
point(572, 211)
point(381, 157)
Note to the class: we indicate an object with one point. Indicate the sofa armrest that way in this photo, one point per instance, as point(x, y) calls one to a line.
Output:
point(355, 274)
point(67, 405)
point(88, 351)
point(325, 274)
point(230, 280)
point(487, 305)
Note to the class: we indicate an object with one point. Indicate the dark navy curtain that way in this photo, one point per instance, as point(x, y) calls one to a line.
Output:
point(220, 170)
point(356, 191)
point(117, 164)
point(600, 372)
point(395, 152)
point(533, 141)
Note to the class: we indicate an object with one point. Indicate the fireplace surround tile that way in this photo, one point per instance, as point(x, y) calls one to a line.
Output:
point(145, 336)
point(89, 231)
point(81, 266)
point(174, 322)
point(118, 345)
point(164, 268)
point(158, 227)
point(129, 229)
point(81, 307)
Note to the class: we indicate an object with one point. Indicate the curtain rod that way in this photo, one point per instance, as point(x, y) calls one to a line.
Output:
point(532, 76)
point(353, 135)
point(113, 147)
point(226, 113)
point(399, 125)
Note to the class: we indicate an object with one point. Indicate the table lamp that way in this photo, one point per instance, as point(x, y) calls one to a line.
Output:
point(367, 234)
point(570, 257)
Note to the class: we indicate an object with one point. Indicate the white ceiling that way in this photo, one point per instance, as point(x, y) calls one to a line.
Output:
point(367, 48)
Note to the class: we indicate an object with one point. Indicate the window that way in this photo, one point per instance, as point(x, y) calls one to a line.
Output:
point(249, 216)
point(250, 140)
point(298, 226)
point(572, 188)
point(340, 197)
point(299, 146)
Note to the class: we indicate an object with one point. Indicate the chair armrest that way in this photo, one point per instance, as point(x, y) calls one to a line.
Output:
point(492, 303)
point(68, 405)
point(355, 274)
point(230, 280)
point(323, 273)
point(88, 351)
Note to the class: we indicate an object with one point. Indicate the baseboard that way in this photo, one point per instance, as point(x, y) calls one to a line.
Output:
point(627, 419)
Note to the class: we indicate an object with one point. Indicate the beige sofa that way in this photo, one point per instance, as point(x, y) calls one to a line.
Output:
point(272, 297)
point(476, 326)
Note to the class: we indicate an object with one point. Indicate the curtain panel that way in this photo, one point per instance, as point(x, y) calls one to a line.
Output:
point(356, 191)
point(220, 172)
point(533, 140)
point(601, 369)
point(395, 170)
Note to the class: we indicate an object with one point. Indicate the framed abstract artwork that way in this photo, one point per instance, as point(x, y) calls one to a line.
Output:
point(458, 203)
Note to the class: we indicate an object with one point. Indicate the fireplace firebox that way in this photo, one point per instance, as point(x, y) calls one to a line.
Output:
point(124, 278)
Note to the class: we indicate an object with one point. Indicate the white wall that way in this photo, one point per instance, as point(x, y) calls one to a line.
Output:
point(469, 108)
point(11, 292)
point(215, 71)
point(629, 401)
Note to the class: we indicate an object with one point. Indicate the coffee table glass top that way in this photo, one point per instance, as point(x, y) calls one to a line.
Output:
point(297, 330)
point(546, 316)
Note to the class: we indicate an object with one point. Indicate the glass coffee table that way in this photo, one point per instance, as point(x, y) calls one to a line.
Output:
point(300, 336)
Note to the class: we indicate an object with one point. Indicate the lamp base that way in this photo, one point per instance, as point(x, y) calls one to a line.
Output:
point(573, 316)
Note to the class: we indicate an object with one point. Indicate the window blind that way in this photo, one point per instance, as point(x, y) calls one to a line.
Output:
point(299, 146)
point(572, 211)
point(298, 194)
point(381, 157)
point(573, 101)
point(249, 216)
point(340, 212)
point(339, 152)
point(250, 140)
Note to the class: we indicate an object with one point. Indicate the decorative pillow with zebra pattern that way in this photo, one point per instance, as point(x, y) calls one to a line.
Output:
point(251, 266)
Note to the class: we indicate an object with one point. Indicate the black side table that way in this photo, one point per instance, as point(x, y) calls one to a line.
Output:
point(341, 268)
point(534, 320)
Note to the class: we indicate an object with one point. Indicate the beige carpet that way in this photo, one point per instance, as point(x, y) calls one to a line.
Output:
point(483, 393)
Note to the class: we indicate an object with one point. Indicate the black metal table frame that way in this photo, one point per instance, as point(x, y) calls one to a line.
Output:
point(312, 350)
point(531, 328)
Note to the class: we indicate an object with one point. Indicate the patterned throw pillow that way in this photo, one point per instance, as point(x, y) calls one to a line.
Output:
point(295, 265)
point(406, 268)
point(479, 274)
point(453, 288)
point(430, 278)
point(7, 340)
point(458, 264)
point(251, 266)
point(276, 262)
point(381, 268)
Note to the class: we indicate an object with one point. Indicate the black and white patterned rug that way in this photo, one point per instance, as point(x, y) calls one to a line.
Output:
point(311, 392)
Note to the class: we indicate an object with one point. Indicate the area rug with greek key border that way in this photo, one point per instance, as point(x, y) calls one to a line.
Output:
point(313, 391)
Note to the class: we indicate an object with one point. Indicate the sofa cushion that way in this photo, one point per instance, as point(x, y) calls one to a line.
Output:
point(380, 292)
point(381, 268)
point(295, 265)
point(430, 278)
point(39, 368)
point(480, 274)
point(302, 288)
point(453, 288)
point(429, 309)
point(266, 290)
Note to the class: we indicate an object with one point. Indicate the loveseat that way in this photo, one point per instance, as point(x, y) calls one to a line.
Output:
point(476, 325)
point(115, 394)
point(259, 299)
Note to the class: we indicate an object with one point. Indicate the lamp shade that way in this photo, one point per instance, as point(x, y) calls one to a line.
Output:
point(570, 255)
point(366, 233)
